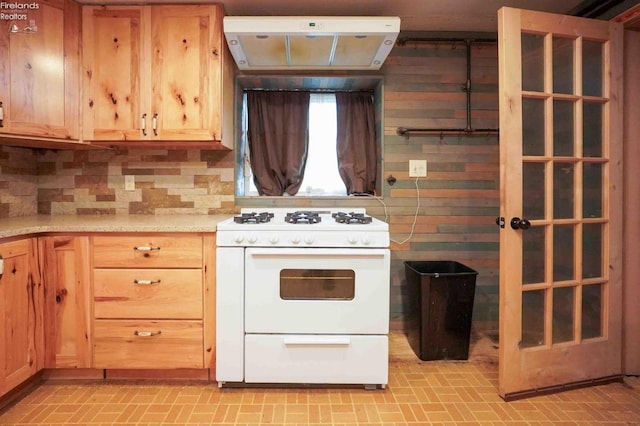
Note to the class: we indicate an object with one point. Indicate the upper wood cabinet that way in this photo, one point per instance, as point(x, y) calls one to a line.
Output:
point(39, 75)
point(21, 299)
point(155, 73)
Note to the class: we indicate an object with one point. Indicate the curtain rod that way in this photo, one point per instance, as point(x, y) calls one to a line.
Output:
point(254, 89)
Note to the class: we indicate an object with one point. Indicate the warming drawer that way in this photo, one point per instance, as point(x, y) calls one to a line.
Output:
point(326, 359)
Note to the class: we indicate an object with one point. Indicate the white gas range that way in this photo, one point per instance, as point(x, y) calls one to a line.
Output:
point(302, 297)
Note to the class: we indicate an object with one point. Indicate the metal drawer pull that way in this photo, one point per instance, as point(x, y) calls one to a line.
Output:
point(144, 124)
point(154, 124)
point(147, 333)
point(317, 341)
point(146, 282)
point(146, 248)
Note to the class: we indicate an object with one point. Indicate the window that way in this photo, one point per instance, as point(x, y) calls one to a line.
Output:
point(329, 160)
point(321, 177)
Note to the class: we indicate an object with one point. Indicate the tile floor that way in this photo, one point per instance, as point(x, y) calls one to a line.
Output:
point(419, 393)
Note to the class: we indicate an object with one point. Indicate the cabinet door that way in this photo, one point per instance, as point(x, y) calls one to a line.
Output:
point(115, 82)
point(185, 72)
point(21, 333)
point(67, 325)
point(39, 81)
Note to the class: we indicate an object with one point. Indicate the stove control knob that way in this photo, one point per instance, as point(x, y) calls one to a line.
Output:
point(252, 239)
point(308, 240)
point(295, 239)
point(274, 239)
point(366, 241)
point(238, 239)
point(352, 239)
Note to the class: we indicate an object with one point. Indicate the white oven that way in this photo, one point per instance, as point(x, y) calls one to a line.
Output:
point(302, 303)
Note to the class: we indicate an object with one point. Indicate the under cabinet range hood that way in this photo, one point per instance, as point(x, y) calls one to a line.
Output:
point(310, 43)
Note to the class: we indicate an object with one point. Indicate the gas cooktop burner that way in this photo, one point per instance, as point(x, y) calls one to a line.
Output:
point(263, 217)
point(352, 218)
point(302, 217)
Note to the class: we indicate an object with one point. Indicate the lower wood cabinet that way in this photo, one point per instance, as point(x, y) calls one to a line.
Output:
point(21, 313)
point(107, 301)
point(67, 307)
point(148, 344)
point(153, 301)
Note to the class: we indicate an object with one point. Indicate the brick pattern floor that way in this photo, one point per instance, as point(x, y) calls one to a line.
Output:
point(419, 393)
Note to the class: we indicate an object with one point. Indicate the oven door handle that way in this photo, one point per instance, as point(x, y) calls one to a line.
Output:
point(317, 341)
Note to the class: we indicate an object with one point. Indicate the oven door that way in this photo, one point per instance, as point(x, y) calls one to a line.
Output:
point(318, 291)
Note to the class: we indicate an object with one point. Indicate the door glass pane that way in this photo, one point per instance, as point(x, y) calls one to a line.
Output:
point(563, 125)
point(533, 263)
point(592, 66)
point(563, 251)
point(532, 318)
point(562, 320)
point(533, 127)
point(591, 190)
point(533, 62)
point(563, 60)
point(533, 201)
point(317, 284)
point(592, 250)
point(591, 129)
point(563, 194)
point(592, 311)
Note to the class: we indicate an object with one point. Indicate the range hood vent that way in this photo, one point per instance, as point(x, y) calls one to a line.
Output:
point(310, 43)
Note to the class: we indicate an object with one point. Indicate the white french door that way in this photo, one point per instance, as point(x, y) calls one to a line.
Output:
point(561, 201)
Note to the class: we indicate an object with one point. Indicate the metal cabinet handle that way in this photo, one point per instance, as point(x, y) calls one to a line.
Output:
point(316, 341)
point(146, 282)
point(147, 333)
point(144, 124)
point(154, 124)
point(146, 248)
point(1, 115)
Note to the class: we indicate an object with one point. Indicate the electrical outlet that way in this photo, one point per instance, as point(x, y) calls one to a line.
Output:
point(417, 168)
point(129, 183)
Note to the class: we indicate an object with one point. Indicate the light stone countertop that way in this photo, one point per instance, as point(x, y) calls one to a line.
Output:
point(41, 224)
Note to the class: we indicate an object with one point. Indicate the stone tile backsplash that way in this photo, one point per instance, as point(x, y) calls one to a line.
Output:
point(93, 182)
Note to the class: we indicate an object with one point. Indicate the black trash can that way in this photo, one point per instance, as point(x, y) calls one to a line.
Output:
point(442, 326)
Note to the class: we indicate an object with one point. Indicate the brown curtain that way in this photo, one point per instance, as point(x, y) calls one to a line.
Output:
point(356, 142)
point(278, 139)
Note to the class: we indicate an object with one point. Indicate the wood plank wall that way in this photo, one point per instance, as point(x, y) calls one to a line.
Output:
point(459, 199)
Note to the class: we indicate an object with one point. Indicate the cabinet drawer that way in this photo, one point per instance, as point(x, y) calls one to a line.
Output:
point(173, 344)
point(340, 359)
point(148, 293)
point(147, 251)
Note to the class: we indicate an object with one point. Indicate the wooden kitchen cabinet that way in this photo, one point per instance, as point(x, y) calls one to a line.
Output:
point(67, 301)
point(156, 74)
point(153, 301)
point(21, 306)
point(39, 76)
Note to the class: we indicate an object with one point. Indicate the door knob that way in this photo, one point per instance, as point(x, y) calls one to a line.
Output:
point(517, 223)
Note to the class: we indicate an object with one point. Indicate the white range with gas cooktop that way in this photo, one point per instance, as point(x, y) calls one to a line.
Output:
point(302, 297)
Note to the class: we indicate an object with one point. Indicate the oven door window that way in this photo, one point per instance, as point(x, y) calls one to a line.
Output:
point(317, 284)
